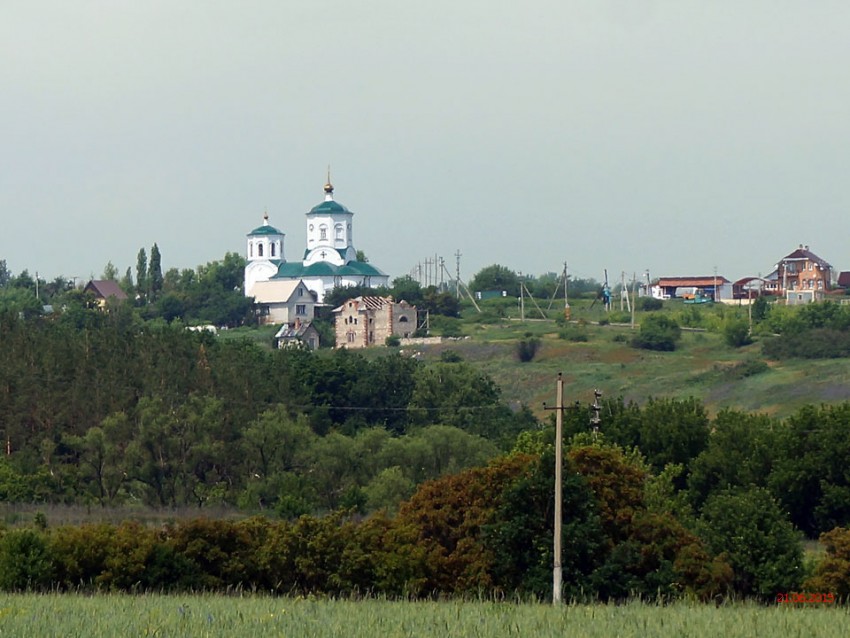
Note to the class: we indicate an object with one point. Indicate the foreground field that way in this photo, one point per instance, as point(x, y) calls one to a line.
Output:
point(256, 616)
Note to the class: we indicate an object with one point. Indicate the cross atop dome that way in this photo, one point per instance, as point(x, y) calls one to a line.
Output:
point(329, 188)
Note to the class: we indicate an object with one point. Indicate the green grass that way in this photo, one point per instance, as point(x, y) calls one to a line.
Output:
point(702, 366)
point(256, 616)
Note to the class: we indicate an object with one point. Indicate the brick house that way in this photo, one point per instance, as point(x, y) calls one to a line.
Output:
point(367, 321)
point(802, 277)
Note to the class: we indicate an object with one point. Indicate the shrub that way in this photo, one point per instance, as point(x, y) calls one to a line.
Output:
point(393, 341)
point(736, 333)
point(818, 343)
point(446, 326)
point(657, 332)
point(450, 356)
point(25, 561)
point(832, 573)
point(649, 304)
point(527, 348)
point(574, 333)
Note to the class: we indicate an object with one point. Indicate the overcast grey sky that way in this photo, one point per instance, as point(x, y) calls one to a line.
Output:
point(672, 136)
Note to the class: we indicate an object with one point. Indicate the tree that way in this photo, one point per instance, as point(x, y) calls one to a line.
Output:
point(762, 546)
point(110, 272)
point(126, 282)
point(142, 273)
point(155, 272)
point(5, 274)
point(740, 453)
point(440, 303)
point(496, 277)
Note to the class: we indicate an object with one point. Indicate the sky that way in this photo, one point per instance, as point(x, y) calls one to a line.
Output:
point(673, 136)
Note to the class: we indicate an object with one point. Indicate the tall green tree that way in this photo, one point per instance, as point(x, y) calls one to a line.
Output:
point(142, 273)
point(155, 273)
point(110, 272)
point(5, 273)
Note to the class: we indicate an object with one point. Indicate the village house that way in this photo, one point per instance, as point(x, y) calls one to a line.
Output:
point(284, 301)
point(299, 334)
point(366, 321)
point(801, 277)
point(104, 290)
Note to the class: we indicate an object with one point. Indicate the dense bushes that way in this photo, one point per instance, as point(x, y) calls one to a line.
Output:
point(483, 529)
point(816, 343)
point(657, 332)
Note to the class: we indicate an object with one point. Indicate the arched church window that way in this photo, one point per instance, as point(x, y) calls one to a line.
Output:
point(259, 250)
point(339, 231)
point(323, 232)
point(250, 249)
point(272, 250)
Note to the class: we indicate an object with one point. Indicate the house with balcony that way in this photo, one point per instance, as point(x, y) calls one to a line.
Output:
point(802, 277)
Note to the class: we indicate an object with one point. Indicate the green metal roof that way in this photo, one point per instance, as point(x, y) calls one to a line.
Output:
point(339, 251)
point(329, 206)
point(323, 268)
point(359, 268)
point(265, 230)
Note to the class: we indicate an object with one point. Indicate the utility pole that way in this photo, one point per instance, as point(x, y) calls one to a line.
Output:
point(750, 308)
point(457, 273)
point(714, 296)
point(521, 299)
point(623, 288)
point(596, 408)
point(557, 575)
point(632, 309)
point(566, 303)
point(557, 578)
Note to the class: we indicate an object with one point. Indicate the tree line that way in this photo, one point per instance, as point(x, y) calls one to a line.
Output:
point(485, 529)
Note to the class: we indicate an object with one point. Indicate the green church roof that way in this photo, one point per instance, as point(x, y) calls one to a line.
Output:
point(265, 230)
point(323, 268)
point(329, 206)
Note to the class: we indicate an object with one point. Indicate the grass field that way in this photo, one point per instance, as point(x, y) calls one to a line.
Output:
point(702, 366)
point(256, 616)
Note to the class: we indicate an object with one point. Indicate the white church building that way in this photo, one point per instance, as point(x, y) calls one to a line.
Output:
point(330, 259)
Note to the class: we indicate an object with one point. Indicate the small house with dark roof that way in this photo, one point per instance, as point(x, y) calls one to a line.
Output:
point(330, 259)
point(300, 334)
point(803, 277)
point(104, 290)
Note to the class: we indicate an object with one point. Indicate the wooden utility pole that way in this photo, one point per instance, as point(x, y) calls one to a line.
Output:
point(457, 273)
point(557, 577)
point(632, 308)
